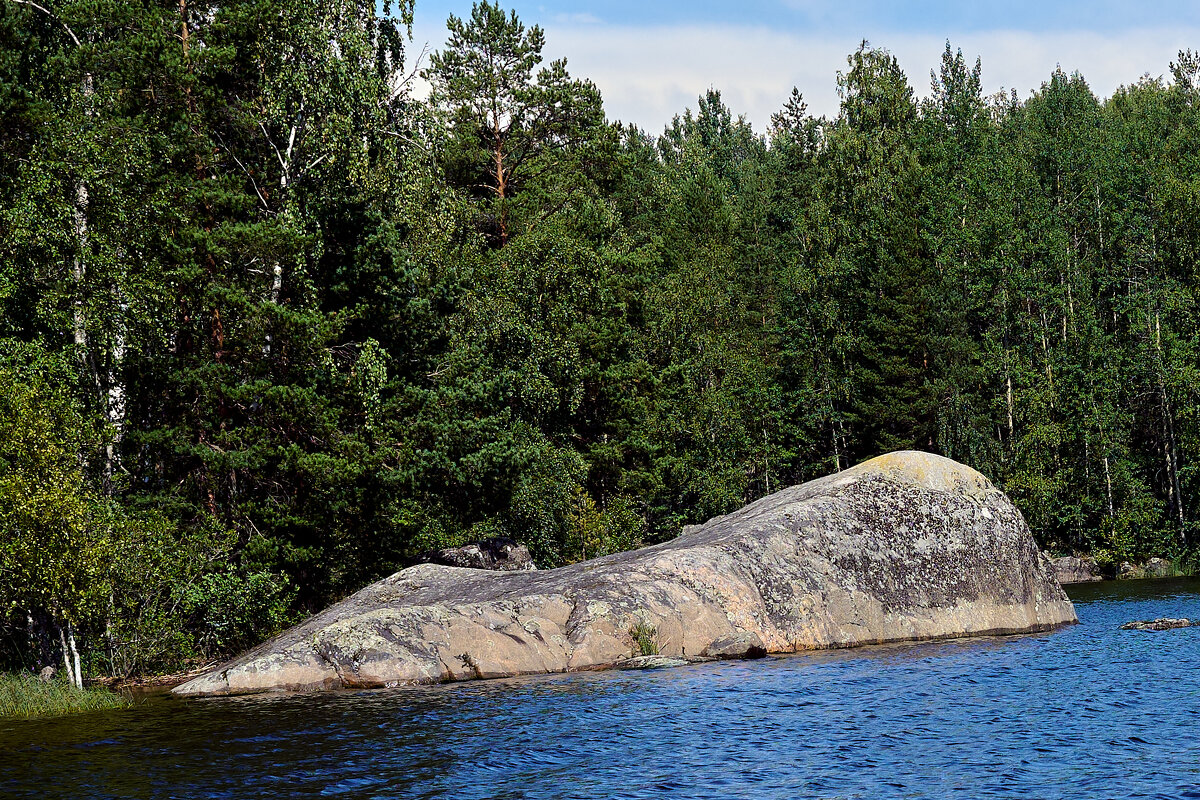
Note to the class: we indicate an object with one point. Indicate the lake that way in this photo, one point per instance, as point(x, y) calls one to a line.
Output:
point(1089, 711)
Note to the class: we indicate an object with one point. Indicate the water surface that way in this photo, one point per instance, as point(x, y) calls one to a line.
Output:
point(1086, 712)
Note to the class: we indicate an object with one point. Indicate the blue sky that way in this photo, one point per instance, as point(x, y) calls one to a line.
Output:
point(652, 59)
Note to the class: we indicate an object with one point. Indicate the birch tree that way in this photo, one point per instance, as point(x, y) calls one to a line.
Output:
point(55, 538)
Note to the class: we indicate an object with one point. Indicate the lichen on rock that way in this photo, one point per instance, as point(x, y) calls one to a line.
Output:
point(908, 546)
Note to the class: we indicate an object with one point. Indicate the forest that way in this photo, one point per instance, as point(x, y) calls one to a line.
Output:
point(271, 324)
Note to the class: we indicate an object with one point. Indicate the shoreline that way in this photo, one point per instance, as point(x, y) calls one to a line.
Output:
point(146, 683)
point(1084, 568)
point(166, 682)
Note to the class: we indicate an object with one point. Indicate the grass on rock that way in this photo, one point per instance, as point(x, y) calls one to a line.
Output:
point(645, 638)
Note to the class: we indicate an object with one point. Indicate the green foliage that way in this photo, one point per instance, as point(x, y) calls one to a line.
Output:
point(145, 630)
point(228, 612)
point(71, 557)
point(59, 542)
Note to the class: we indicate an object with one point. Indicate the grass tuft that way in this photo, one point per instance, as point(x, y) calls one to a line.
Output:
point(29, 696)
point(645, 638)
point(1184, 566)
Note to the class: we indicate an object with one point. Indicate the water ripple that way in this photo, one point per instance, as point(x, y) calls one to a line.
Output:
point(1087, 712)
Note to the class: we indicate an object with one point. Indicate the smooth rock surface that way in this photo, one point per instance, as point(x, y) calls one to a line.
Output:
point(907, 546)
point(1070, 569)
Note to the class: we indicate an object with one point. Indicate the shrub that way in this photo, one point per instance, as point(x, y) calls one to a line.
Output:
point(230, 611)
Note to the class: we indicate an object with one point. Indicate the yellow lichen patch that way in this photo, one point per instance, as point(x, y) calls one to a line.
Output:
point(924, 470)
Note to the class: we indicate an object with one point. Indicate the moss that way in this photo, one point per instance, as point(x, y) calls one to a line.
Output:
point(29, 696)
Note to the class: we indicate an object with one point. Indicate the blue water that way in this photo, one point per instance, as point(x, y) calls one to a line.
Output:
point(1086, 712)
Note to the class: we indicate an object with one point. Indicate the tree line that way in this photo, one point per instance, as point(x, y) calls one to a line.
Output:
point(270, 325)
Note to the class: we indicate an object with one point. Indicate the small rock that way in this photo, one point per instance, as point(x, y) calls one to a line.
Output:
point(1128, 571)
point(499, 553)
point(1070, 569)
point(1157, 568)
point(651, 662)
point(745, 644)
point(1154, 568)
point(1160, 624)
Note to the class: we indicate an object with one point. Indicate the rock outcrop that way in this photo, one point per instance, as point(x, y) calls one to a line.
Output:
point(498, 554)
point(1153, 568)
point(1072, 569)
point(1157, 568)
point(907, 546)
point(1160, 624)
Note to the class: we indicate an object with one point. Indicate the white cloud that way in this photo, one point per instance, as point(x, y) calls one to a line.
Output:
point(648, 75)
point(577, 19)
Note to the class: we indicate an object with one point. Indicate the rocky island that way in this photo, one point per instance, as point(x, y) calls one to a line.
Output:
point(907, 546)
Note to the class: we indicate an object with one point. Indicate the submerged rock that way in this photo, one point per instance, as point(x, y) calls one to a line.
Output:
point(907, 546)
point(651, 662)
point(1160, 624)
point(1070, 569)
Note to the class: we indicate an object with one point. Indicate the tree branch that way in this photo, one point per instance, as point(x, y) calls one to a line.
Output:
point(278, 155)
point(52, 16)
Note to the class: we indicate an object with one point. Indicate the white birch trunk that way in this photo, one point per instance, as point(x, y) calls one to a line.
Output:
point(79, 270)
point(1009, 397)
point(1108, 483)
point(66, 653)
point(77, 675)
point(114, 402)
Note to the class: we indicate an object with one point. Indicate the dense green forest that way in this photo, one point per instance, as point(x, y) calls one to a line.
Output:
point(270, 326)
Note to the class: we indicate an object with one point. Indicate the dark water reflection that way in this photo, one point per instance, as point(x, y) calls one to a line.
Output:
point(1090, 711)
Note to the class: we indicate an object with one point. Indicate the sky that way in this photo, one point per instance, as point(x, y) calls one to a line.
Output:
point(652, 59)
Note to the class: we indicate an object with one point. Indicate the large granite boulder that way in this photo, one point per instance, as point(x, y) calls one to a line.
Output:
point(907, 546)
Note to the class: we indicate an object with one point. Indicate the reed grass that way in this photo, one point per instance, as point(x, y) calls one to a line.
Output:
point(1184, 566)
point(29, 696)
